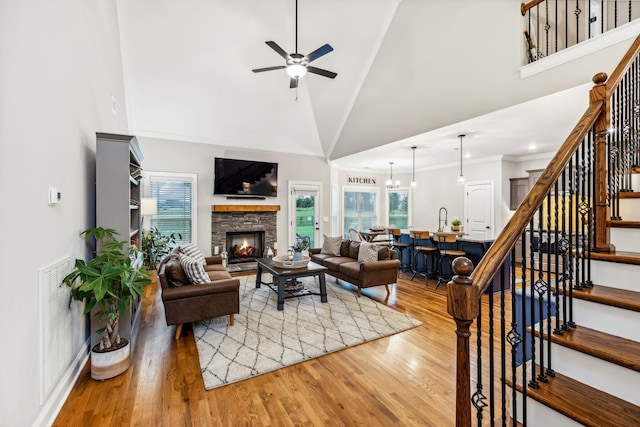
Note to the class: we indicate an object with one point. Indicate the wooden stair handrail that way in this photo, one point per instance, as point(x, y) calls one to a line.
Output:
point(500, 249)
point(623, 66)
point(524, 7)
point(596, 114)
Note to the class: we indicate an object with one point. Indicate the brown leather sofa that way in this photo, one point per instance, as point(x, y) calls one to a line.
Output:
point(184, 302)
point(361, 274)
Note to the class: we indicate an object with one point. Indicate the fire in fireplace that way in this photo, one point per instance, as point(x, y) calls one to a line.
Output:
point(245, 246)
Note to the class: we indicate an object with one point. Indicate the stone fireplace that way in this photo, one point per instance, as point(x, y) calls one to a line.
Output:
point(244, 246)
point(231, 225)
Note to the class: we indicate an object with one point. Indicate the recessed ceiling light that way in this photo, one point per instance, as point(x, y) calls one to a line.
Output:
point(532, 146)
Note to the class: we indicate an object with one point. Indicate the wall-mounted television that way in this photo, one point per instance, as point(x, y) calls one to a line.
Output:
point(245, 178)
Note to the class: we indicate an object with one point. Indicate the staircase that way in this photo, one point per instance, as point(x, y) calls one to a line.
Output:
point(597, 363)
point(573, 308)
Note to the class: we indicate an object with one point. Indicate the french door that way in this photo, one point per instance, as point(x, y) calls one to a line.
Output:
point(304, 212)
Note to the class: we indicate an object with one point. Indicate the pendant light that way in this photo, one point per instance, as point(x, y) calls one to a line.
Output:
point(461, 176)
point(390, 183)
point(413, 174)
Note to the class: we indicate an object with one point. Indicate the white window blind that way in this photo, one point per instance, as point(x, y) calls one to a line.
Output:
point(175, 194)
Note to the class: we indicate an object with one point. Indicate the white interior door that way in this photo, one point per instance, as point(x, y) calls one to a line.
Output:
point(304, 212)
point(478, 208)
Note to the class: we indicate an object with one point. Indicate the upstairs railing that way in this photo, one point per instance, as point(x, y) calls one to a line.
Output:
point(553, 25)
point(560, 223)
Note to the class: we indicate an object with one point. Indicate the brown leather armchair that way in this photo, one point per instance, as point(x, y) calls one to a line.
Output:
point(184, 302)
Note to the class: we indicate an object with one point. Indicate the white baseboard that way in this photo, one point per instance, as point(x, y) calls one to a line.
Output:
point(51, 407)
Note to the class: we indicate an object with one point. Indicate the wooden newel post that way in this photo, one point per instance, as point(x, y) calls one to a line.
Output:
point(463, 305)
point(602, 242)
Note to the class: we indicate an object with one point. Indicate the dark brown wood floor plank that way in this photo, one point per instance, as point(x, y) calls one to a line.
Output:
point(405, 379)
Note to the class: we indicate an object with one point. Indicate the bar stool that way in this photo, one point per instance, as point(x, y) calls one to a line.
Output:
point(447, 250)
point(427, 252)
point(400, 246)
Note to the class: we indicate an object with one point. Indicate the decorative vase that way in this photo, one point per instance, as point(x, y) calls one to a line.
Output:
point(297, 256)
point(105, 365)
point(455, 228)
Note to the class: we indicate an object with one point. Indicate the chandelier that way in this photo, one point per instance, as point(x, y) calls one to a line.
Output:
point(390, 183)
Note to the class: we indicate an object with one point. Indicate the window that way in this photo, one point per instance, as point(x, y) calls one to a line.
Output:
point(176, 196)
point(360, 209)
point(398, 208)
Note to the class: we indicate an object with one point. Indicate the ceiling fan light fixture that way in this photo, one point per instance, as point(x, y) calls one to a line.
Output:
point(296, 71)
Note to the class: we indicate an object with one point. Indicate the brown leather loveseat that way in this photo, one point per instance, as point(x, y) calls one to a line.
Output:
point(185, 302)
point(345, 266)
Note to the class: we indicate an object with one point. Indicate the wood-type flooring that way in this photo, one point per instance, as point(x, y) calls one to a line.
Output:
point(406, 379)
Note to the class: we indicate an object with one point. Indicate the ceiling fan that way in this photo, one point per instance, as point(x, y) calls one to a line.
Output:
point(297, 65)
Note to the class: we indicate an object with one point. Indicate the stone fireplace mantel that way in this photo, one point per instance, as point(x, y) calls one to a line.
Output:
point(245, 208)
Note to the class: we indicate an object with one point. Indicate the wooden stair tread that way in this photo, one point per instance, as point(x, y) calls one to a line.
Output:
point(615, 297)
point(618, 223)
point(582, 403)
point(619, 256)
point(629, 195)
point(620, 351)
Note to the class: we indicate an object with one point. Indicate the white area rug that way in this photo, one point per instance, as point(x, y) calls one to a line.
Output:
point(264, 339)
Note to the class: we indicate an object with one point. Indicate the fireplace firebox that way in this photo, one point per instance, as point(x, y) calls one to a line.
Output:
point(244, 246)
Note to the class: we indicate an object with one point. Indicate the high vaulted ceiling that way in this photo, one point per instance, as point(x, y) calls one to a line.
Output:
point(410, 72)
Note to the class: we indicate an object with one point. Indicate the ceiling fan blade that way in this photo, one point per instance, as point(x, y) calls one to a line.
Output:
point(277, 67)
point(322, 50)
point(278, 49)
point(322, 72)
point(293, 84)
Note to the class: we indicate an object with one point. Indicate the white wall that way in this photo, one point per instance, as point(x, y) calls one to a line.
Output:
point(60, 66)
point(174, 156)
point(437, 188)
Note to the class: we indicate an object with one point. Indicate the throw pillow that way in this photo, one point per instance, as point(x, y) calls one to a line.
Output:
point(193, 268)
point(368, 252)
point(193, 251)
point(331, 245)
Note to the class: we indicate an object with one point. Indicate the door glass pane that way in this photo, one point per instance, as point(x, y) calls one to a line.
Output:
point(305, 217)
point(360, 209)
point(399, 208)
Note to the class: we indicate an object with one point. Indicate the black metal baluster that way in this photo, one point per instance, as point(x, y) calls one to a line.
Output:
point(590, 201)
point(523, 317)
point(562, 250)
point(547, 27)
point(583, 211)
point(492, 366)
point(566, 23)
point(556, 28)
point(572, 247)
point(532, 300)
point(503, 333)
point(602, 16)
point(542, 286)
point(577, 244)
point(477, 398)
point(577, 12)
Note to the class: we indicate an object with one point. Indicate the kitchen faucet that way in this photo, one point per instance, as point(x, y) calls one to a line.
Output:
point(440, 219)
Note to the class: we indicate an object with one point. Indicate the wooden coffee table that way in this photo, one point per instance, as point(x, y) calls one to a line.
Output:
point(281, 276)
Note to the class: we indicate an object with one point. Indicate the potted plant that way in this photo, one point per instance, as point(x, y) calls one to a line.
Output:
point(455, 224)
point(108, 284)
point(155, 246)
point(298, 247)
